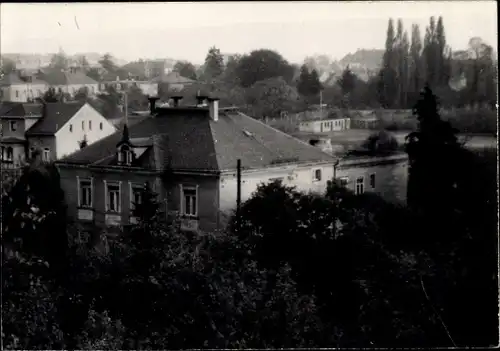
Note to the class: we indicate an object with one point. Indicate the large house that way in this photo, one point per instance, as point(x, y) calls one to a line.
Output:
point(20, 87)
point(189, 155)
point(69, 81)
point(54, 129)
point(64, 127)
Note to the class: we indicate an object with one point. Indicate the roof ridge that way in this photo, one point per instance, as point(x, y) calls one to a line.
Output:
point(283, 133)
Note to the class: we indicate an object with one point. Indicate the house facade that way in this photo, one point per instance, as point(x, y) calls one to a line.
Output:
point(189, 156)
point(63, 127)
point(326, 125)
point(68, 81)
point(15, 120)
point(17, 87)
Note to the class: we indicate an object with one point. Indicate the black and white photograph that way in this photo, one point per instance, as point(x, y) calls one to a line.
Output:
point(249, 175)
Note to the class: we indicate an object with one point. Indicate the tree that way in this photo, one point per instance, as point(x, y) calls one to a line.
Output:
point(263, 64)
point(432, 148)
point(59, 61)
point(229, 76)
point(185, 69)
point(416, 64)
point(7, 66)
point(388, 88)
point(347, 83)
point(214, 64)
point(270, 97)
point(107, 63)
point(303, 85)
point(82, 94)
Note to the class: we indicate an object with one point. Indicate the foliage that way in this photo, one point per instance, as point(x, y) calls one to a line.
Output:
point(59, 60)
point(82, 94)
point(270, 97)
point(7, 66)
point(107, 63)
point(308, 84)
point(381, 142)
point(185, 69)
point(214, 64)
point(261, 65)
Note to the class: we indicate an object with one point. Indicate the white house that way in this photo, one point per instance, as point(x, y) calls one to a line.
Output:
point(325, 125)
point(64, 126)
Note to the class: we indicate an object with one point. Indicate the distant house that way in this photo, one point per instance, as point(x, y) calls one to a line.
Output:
point(68, 81)
point(63, 127)
point(325, 125)
point(125, 81)
point(189, 155)
point(174, 80)
point(20, 87)
point(16, 119)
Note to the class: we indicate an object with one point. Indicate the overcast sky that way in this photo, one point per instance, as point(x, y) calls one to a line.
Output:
point(186, 30)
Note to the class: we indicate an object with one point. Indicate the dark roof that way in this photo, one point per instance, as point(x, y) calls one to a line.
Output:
point(57, 114)
point(58, 77)
point(19, 109)
point(187, 139)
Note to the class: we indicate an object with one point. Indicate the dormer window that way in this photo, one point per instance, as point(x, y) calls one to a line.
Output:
point(125, 155)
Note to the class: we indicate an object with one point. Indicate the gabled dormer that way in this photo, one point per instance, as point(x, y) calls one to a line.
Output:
point(125, 149)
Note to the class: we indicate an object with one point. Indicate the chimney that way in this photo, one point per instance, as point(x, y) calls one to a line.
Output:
point(152, 104)
point(176, 99)
point(201, 100)
point(44, 109)
point(213, 106)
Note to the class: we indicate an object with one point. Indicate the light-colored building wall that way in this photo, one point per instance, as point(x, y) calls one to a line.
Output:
point(72, 89)
point(23, 92)
point(302, 177)
point(86, 122)
point(391, 175)
point(327, 125)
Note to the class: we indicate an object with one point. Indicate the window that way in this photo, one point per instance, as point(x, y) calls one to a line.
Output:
point(100, 126)
point(372, 180)
point(32, 152)
point(3, 152)
point(85, 193)
point(124, 155)
point(113, 197)
point(83, 125)
point(360, 185)
point(13, 126)
point(136, 191)
point(189, 200)
point(317, 175)
point(344, 181)
point(17, 93)
point(9, 154)
point(46, 154)
point(71, 128)
point(90, 125)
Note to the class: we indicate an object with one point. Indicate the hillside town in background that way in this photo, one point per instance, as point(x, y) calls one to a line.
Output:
point(250, 201)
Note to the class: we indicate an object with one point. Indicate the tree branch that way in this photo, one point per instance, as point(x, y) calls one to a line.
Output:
point(436, 312)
